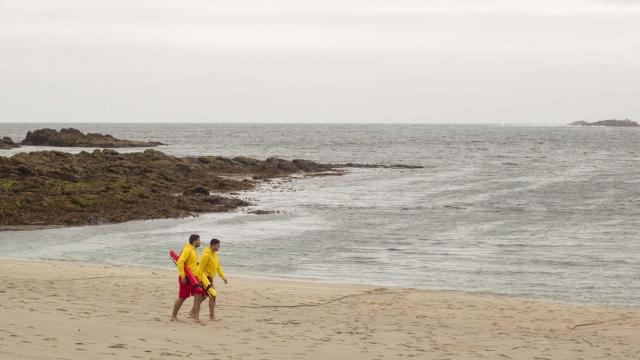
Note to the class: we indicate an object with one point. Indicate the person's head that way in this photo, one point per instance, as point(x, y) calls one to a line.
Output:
point(215, 244)
point(194, 240)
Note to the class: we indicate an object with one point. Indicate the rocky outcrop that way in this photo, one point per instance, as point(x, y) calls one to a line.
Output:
point(7, 143)
point(104, 186)
point(619, 123)
point(261, 169)
point(75, 138)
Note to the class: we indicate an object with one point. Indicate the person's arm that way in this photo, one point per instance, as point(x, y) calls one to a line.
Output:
point(221, 272)
point(184, 256)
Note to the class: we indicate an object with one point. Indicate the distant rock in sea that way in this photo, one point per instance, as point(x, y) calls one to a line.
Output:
point(75, 138)
point(7, 143)
point(613, 122)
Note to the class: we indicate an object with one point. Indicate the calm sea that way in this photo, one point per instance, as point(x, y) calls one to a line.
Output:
point(549, 212)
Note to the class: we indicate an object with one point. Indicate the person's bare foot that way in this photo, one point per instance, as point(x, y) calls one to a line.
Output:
point(190, 314)
point(213, 318)
point(174, 318)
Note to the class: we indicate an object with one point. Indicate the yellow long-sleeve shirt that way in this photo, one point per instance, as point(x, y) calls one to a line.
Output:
point(188, 256)
point(210, 264)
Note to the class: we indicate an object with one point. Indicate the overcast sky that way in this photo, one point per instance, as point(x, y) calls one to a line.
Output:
point(465, 61)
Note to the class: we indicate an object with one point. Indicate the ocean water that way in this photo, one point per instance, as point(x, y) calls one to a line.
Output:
point(549, 212)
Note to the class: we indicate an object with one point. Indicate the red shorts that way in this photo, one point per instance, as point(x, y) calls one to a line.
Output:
point(189, 289)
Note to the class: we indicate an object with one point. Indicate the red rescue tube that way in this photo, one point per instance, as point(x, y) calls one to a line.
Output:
point(187, 271)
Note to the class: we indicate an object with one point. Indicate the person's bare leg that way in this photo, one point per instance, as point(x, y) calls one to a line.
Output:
point(196, 307)
point(212, 308)
point(193, 307)
point(176, 308)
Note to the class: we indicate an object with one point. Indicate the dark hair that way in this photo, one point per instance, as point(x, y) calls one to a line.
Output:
point(193, 238)
point(214, 241)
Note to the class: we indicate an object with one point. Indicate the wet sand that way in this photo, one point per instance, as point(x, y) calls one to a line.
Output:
point(57, 310)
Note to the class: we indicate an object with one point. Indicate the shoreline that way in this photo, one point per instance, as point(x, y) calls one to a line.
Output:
point(75, 311)
point(328, 282)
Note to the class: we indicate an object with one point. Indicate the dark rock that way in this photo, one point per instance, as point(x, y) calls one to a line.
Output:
point(305, 165)
point(7, 143)
point(246, 161)
point(75, 138)
point(272, 167)
point(104, 186)
point(613, 122)
point(198, 190)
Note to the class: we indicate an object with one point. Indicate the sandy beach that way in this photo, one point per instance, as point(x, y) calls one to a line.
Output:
point(56, 310)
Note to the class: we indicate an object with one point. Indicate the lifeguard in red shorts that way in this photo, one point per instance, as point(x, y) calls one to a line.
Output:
point(189, 257)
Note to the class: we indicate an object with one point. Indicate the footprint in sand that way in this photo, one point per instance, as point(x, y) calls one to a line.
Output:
point(164, 353)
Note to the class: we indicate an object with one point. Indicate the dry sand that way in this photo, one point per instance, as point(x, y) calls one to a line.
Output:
point(55, 310)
